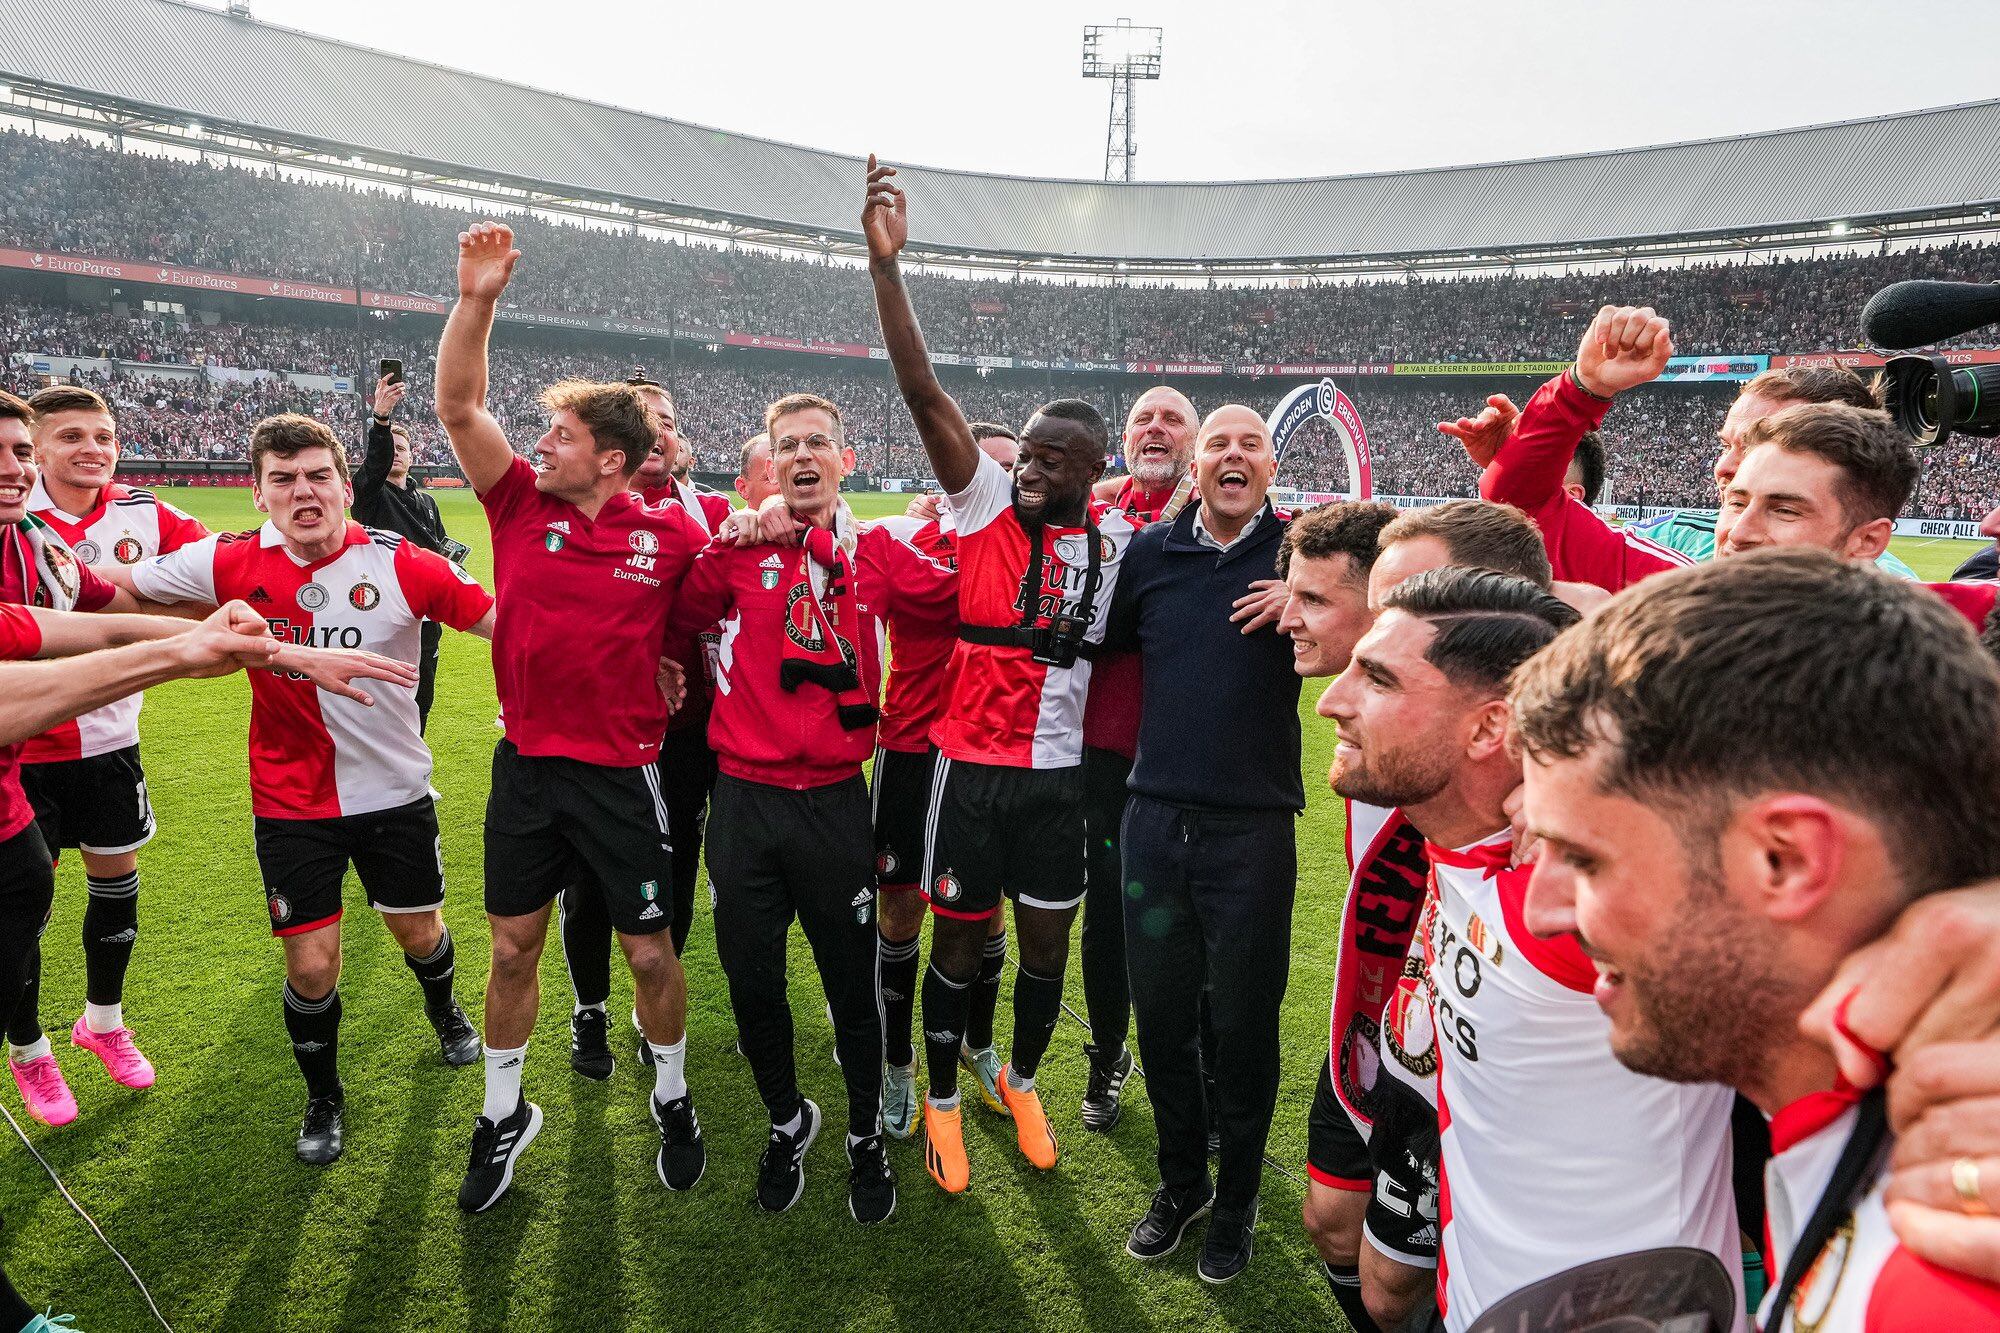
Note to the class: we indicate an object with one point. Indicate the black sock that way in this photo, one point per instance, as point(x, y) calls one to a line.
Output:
point(14, 1312)
point(899, 997)
point(587, 943)
point(1037, 1005)
point(1345, 1279)
point(315, 1029)
point(434, 973)
point(944, 1029)
point(24, 1025)
point(986, 993)
point(110, 928)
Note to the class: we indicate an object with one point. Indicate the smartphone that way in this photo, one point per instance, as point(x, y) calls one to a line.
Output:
point(392, 371)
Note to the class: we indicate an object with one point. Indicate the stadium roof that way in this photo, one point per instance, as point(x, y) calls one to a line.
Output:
point(174, 62)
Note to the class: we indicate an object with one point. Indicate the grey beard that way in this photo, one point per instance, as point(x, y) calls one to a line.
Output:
point(1153, 475)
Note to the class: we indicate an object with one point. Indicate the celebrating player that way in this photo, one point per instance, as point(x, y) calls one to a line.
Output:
point(84, 778)
point(334, 781)
point(585, 574)
point(1036, 578)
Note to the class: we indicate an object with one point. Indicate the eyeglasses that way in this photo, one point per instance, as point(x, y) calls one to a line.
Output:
point(790, 444)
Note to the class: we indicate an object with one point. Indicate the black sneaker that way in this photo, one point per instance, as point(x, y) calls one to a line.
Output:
point(1225, 1251)
point(457, 1038)
point(781, 1175)
point(495, 1149)
point(1159, 1232)
point(590, 1045)
point(682, 1158)
point(1103, 1097)
point(871, 1186)
point(646, 1056)
point(321, 1131)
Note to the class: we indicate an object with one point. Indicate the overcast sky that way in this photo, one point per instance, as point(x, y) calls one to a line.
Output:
point(1250, 88)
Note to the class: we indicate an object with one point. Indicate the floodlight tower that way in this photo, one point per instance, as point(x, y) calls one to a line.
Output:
point(1121, 53)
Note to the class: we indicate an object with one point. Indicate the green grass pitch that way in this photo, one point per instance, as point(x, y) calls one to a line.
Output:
point(196, 1182)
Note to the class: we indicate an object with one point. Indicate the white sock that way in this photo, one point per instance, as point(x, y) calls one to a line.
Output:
point(103, 1018)
point(599, 1007)
point(669, 1070)
point(793, 1125)
point(40, 1048)
point(944, 1104)
point(1019, 1084)
point(854, 1140)
point(503, 1082)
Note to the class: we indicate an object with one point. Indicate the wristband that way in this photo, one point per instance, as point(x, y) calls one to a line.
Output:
point(1583, 388)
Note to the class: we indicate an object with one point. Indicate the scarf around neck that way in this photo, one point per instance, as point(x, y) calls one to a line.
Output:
point(819, 648)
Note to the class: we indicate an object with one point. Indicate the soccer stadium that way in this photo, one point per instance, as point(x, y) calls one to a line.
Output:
point(208, 220)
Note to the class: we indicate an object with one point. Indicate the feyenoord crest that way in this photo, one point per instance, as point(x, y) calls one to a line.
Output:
point(553, 540)
point(89, 554)
point(281, 909)
point(885, 863)
point(62, 567)
point(364, 596)
point(645, 543)
point(313, 597)
point(127, 551)
point(947, 889)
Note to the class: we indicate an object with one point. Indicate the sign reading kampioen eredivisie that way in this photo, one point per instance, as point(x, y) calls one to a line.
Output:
point(1327, 403)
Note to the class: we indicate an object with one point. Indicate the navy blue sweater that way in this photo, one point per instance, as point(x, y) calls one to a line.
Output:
point(1219, 709)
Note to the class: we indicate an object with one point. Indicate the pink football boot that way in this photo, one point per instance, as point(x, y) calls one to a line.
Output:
point(121, 1057)
point(42, 1088)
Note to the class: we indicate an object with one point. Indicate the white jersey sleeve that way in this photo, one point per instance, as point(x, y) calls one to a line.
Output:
point(185, 575)
point(984, 498)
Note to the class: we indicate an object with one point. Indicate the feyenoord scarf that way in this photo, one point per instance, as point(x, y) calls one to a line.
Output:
point(817, 648)
point(50, 577)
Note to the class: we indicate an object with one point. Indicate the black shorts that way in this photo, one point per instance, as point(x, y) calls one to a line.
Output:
point(997, 831)
point(97, 804)
point(552, 822)
point(902, 799)
point(395, 852)
point(1336, 1154)
point(1402, 1217)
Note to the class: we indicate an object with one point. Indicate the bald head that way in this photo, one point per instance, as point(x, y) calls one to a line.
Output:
point(1233, 466)
point(1159, 436)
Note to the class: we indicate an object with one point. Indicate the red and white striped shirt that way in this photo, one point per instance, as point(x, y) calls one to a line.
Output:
point(125, 527)
point(920, 648)
point(1554, 1153)
point(315, 755)
point(1003, 707)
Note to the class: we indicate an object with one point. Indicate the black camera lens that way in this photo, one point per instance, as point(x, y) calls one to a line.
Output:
point(1930, 398)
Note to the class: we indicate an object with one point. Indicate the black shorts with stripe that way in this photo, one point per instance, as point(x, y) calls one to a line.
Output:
point(902, 799)
point(97, 804)
point(996, 831)
point(552, 822)
point(395, 853)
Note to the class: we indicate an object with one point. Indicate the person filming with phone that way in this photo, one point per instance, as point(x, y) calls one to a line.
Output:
point(385, 496)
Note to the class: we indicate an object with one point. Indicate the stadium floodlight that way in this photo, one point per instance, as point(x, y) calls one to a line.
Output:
point(1121, 53)
point(1839, 229)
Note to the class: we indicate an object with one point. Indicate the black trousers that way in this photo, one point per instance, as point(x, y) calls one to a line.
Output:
point(27, 890)
point(1209, 896)
point(774, 854)
point(429, 635)
point(1107, 995)
point(687, 776)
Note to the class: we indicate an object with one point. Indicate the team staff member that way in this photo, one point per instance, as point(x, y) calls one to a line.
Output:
point(1159, 452)
point(1728, 850)
point(686, 766)
point(1036, 577)
point(1210, 860)
point(385, 498)
point(585, 574)
point(85, 778)
point(794, 721)
point(334, 781)
point(920, 651)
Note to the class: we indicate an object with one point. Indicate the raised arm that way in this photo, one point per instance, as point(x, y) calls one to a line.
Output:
point(486, 259)
point(380, 453)
point(885, 220)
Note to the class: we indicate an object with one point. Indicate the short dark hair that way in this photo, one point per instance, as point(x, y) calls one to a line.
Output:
point(16, 409)
point(67, 398)
point(801, 402)
point(614, 414)
point(1784, 669)
point(1878, 469)
point(1083, 414)
point(1814, 384)
point(1590, 465)
point(288, 435)
point(1479, 534)
point(1347, 527)
point(1485, 623)
point(992, 430)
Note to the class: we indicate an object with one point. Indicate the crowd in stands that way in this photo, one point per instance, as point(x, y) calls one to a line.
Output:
point(76, 197)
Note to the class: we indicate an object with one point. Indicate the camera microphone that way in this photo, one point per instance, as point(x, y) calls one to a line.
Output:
point(1920, 312)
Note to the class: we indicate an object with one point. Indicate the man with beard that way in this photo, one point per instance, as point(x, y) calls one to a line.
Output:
point(1503, 1020)
point(1734, 773)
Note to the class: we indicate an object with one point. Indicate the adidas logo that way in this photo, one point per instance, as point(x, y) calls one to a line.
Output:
point(125, 936)
point(560, 525)
point(257, 594)
point(652, 912)
point(308, 1046)
point(772, 561)
point(511, 1062)
point(862, 899)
